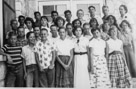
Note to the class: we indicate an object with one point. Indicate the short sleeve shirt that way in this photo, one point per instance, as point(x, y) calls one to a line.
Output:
point(45, 53)
point(98, 46)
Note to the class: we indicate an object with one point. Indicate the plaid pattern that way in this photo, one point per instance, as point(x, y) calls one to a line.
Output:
point(118, 71)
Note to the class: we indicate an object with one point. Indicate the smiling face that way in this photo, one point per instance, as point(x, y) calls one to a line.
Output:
point(31, 38)
point(44, 35)
point(44, 21)
point(37, 31)
point(62, 33)
point(80, 14)
point(13, 40)
point(60, 23)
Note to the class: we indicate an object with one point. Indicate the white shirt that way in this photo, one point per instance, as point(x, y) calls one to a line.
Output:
point(98, 46)
point(82, 45)
point(27, 30)
point(64, 46)
point(115, 45)
point(28, 55)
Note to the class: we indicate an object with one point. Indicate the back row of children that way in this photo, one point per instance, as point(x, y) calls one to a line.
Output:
point(80, 56)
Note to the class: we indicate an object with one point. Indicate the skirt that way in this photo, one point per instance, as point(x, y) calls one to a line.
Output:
point(119, 74)
point(100, 78)
point(63, 78)
point(130, 59)
point(81, 74)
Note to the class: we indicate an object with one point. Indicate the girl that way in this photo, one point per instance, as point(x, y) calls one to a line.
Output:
point(30, 61)
point(129, 47)
point(98, 54)
point(105, 31)
point(76, 23)
point(81, 60)
point(30, 25)
point(64, 72)
point(93, 23)
point(118, 70)
point(60, 22)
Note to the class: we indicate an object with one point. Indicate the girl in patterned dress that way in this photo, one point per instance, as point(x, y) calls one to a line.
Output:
point(118, 70)
point(99, 75)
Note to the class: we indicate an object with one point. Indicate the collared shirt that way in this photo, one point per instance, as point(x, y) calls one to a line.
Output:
point(45, 53)
point(71, 37)
point(64, 46)
point(89, 37)
point(98, 46)
point(81, 44)
point(27, 30)
point(28, 55)
point(21, 42)
point(114, 45)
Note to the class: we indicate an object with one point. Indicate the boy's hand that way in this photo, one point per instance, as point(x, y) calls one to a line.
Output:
point(51, 66)
point(66, 67)
point(10, 61)
point(25, 75)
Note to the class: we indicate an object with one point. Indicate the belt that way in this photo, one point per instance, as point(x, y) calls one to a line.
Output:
point(115, 52)
point(80, 53)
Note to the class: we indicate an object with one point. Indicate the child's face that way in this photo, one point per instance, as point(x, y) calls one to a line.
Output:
point(37, 31)
point(69, 29)
point(21, 32)
point(62, 33)
point(54, 30)
point(111, 20)
point(106, 27)
point(29, 24)
point(31, 38)
point(80, 14)
point(94, 24)
point(78, 32)
point(13, 40)
point(44, 21)
point(60, 23)
point(76, 24)
point(44, 35)
point(86, 28)
point(96, 34)
point(113, 33)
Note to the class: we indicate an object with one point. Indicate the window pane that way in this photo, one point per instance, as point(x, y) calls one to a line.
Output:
point(47, 9)
point(61, 9)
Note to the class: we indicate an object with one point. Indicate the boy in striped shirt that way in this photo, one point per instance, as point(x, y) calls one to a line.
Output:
point(15, 74)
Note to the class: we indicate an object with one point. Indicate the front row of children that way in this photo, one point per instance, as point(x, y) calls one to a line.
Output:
point(79, 63)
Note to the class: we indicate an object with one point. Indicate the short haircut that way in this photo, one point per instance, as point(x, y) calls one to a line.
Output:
point(29, 19)
point(53, 26)
point(67, 11)
point(20, 28)
point(11, 34)
point(36, 12)
point(44, 29)
point(28, 34)
point(125, 7)
point(92, 20)
point(21, 16)
point(73, 22)
point(86, 24)
point(95, 29)
point(44, 17)
point(59, 18)
point(61, 28)
point(91, 7)
point(54, 12)
point(80, 10)
point(11, 21)
point(68, 24)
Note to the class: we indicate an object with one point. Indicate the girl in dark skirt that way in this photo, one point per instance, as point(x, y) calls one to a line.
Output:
point(64, 71)
point(118, 70)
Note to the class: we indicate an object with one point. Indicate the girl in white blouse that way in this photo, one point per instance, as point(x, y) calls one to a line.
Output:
point(81, 60)
point(118, 70)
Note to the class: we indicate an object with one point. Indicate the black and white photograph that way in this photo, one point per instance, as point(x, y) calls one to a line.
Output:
point(79, 44)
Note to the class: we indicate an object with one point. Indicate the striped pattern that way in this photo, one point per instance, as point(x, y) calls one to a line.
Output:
point(14, 52)
point(118, 71)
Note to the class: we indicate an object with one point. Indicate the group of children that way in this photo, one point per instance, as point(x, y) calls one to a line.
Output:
point(73, 54)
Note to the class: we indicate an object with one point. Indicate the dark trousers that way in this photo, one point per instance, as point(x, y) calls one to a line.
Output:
point(15, 76)
point(46, 78)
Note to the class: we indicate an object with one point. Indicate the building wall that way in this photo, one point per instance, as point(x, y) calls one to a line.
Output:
point(9, 13)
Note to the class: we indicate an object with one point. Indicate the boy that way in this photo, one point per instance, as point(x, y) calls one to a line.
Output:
point(15, 74)
point(45, 50)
